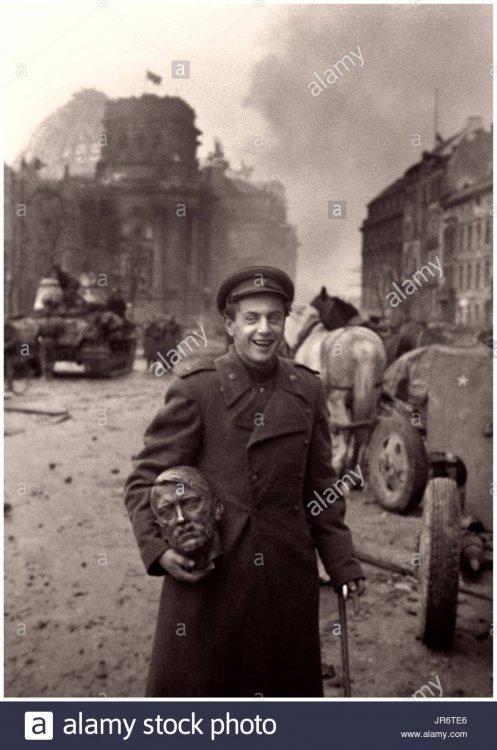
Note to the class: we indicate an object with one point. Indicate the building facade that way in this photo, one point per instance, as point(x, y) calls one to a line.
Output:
point(382, 248)
point(145, 216)
point(443, 207)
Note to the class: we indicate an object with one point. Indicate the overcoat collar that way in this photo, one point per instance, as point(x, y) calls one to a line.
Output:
point(286, 410)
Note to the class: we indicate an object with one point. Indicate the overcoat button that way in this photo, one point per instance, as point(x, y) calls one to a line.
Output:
point(301, 475)
point(254, 477)
point(232, 376)
point(296, 508)
point(306, 442)
point(293, 377)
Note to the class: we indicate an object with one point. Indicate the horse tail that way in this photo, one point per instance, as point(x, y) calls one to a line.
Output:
point(363, 396)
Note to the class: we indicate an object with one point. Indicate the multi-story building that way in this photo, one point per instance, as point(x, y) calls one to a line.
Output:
point(382, 248)
point(443, 205)
point(467, 231)
point(144, 215)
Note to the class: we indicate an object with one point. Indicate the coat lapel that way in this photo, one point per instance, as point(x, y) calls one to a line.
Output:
point(287, 410)
point(236, 388)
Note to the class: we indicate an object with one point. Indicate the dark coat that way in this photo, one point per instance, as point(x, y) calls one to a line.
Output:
point(251, 626)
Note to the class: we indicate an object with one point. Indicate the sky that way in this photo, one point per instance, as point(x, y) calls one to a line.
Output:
point(252, 71)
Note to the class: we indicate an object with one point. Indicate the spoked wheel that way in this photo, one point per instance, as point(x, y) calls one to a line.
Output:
point(398, 465)
point(439, 553)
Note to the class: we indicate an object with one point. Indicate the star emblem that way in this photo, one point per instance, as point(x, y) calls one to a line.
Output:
point(462, 380)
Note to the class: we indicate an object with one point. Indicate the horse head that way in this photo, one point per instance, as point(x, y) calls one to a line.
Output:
point(333, 311)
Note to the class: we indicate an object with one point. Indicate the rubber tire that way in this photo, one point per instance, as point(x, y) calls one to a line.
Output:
point(408, 496)
point(440, 550)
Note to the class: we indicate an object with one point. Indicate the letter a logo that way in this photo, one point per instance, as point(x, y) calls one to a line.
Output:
point(38, 725)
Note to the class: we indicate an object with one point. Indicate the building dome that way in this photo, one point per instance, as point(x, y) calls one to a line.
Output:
point(70, 137)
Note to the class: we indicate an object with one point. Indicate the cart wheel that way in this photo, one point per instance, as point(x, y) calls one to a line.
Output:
point(398, 465)
point(439, 551)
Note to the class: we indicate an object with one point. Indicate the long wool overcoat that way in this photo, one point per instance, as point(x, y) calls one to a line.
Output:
point(251, 627)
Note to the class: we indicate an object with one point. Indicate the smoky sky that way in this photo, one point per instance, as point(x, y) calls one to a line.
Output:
point(356, 136)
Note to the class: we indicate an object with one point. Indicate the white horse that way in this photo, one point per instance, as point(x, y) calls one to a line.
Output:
point(351, 362)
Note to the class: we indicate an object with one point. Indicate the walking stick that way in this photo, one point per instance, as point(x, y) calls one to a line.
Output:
point(342, 594)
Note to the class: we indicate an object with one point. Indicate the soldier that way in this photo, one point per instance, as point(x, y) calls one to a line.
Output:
point(255, 425)
point(170, 335)
point(50, 328)
point(69, 285)
point(116, 303)
point(10, 343)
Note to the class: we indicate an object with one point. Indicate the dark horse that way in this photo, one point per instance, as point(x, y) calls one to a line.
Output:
point(333, 311)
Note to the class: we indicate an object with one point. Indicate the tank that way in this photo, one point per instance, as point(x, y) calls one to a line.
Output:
point(77, 323)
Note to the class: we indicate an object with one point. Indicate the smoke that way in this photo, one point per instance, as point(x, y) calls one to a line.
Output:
point(355, 137)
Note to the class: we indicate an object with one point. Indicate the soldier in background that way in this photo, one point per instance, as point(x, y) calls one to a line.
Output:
point(116, 302)
point(51, 327)
point(171, 334)
point(69, 285)
point(9, 353)
point(152, 341)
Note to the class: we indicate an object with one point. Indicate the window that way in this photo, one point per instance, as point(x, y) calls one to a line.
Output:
point(461, 277)
point(477, 279)
point(488, 271)
point(488, 228)
point(469, 276)
point(478, 233)
point(460, 238)
point(469, 242)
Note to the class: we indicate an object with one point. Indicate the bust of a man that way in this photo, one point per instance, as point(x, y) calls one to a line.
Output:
point(187, 512)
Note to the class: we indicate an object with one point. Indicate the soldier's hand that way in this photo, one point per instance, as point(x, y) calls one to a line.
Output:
point(179, 567)
point(356, 588)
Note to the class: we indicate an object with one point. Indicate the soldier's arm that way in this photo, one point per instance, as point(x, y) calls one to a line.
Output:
point(329, 530)
point(172, 439)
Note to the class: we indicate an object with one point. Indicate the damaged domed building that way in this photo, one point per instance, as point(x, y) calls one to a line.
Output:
point(115, 188)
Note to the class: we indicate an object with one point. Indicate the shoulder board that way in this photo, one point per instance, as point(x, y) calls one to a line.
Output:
point(188, 370)
point(304, 367)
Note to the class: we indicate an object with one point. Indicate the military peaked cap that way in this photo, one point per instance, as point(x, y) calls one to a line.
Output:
point(254, 280)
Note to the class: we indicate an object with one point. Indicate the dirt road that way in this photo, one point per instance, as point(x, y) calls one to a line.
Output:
point(79, 609)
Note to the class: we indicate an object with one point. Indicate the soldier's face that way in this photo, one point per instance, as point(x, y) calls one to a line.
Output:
point(186, 519)
point(258, 328)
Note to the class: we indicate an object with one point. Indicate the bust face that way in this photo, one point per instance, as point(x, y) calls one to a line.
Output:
point(186, 518)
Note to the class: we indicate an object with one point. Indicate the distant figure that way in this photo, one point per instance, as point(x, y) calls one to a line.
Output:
point(152, 341)
point(69, 285)
point(9, 353)
point(51, 327)
point(116, 302)
point(171, 333)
